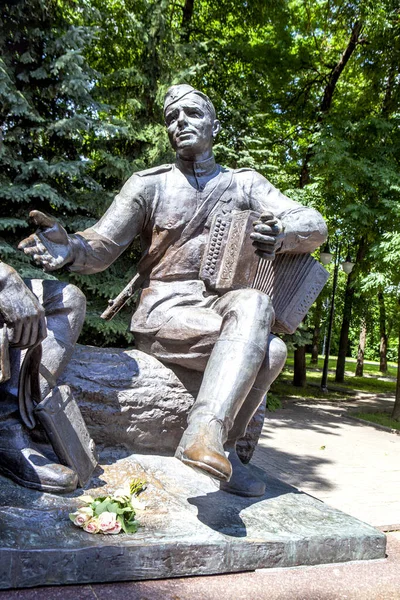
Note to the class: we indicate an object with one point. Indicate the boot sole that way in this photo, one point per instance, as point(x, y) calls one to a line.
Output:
point(205, 468)
point(40, 487)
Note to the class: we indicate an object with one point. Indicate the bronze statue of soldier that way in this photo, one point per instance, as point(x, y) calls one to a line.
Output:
point(33, 312)
point(179, 320)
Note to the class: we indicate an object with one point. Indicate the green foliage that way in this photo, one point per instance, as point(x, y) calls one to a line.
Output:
point(50, 124)
point(380, 418)
point(371, 383)
point(273, 402)
point(81, 91)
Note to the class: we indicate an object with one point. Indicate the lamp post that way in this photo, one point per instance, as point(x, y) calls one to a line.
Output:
point(347, 267)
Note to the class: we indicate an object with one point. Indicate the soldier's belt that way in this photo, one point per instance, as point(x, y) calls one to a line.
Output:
point(293, 281)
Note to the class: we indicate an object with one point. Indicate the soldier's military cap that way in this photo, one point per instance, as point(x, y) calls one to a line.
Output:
point(177, 92)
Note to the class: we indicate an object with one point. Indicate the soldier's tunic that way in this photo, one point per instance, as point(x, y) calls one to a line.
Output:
point(157, 204)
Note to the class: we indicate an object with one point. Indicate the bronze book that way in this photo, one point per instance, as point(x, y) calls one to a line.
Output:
point(64, 425)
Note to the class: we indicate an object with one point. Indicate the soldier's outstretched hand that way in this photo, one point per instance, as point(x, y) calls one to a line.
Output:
point(49, 246)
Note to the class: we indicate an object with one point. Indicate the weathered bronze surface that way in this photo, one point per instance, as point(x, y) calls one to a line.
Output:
point(188, 527)
point(32, 312)
point(180, 320)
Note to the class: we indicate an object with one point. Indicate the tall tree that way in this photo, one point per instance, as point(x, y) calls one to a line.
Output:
point(361, 348)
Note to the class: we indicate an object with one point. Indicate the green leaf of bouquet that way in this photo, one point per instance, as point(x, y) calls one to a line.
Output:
point(113, 507)
point(122, 522)
point(121, 511)
point(102, 507)
point(131, 527)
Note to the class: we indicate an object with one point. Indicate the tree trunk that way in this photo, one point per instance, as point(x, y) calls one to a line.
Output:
point(396, 407)
point(317, 331)
point(299, 378)
point(348, 305)
point(299, 374)
point(328, 94)
point(344, 332)
point(361, 349)
point(187, 14)
point(339, 67)
point(383, 334)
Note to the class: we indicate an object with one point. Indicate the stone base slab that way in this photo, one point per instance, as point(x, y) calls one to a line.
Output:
point(189, 527)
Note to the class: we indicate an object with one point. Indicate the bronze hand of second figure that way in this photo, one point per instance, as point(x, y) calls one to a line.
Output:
point(50, 247)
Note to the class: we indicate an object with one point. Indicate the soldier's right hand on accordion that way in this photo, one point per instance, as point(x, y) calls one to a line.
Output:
point(267, 235)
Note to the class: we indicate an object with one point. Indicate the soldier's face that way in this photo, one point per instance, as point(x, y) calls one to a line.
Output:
point(190, 126)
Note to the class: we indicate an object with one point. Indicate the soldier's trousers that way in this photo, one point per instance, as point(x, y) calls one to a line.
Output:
point(65, 307)
point(231, 343)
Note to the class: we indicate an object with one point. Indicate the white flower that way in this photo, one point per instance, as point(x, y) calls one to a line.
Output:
point(107, 521)
point(92, 526)
point(116, 529)
point(122, 494)
point(81, 516)
point(136, 503)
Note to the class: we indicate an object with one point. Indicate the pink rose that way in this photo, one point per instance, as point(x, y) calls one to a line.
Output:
point(91, 526)
point(107, 521)
point(81, 516)
point(116, 529)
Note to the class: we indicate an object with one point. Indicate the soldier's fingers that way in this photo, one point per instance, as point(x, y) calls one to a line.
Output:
point(26, 333)
point(28, 242)
point(41, 219)
point(263, 239)
point(14, 333)
point(266, 255)
point(46, 262)
point(267, 216)
point(264, 250)
point(32, 251)
point(42, 329)
point(34, 336)
point(267, 228)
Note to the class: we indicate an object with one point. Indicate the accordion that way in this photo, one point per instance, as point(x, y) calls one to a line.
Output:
point(292, 281)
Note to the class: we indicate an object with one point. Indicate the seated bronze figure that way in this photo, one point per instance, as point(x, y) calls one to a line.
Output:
point(180, 319)
point(31, 312)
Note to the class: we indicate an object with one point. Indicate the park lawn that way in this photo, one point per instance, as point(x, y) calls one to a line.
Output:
point(370, 367)
point(372, 383)
point(380, 418)
point(283, 388)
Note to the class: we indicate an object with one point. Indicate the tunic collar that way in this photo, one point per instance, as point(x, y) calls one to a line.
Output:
point(205, 168)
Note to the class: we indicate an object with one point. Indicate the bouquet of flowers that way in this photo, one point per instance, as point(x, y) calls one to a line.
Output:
point(111, 514)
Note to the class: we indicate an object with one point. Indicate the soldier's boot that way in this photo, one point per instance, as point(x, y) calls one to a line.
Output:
point(31, 464)
point(228, 378)
point(243, 482)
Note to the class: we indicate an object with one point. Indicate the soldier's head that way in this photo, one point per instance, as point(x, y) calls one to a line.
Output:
point(191, 122)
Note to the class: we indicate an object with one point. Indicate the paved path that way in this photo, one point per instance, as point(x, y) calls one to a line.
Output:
point(349, 465)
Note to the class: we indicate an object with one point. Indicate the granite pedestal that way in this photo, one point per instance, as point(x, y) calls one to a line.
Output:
point(188, 527)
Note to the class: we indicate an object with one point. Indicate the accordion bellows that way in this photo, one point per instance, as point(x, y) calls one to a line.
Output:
point(293, 281)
